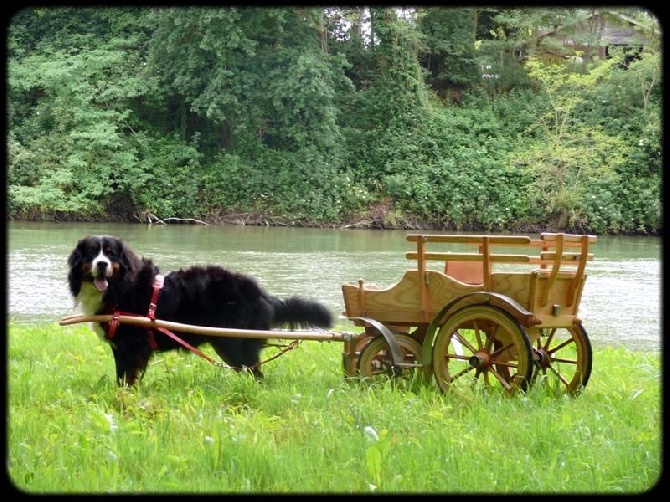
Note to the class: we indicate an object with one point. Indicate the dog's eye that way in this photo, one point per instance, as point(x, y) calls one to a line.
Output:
point(108, 250)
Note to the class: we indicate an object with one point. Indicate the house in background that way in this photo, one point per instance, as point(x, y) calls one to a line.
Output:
point(592, 38)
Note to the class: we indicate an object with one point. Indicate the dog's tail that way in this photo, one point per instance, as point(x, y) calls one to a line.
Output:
point(297, 312)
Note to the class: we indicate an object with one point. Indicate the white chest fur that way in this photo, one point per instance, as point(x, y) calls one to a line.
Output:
point(91, 299)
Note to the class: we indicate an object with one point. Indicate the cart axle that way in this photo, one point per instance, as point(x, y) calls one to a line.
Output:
point(479, 361)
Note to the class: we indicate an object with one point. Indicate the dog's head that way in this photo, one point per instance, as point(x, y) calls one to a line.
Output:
point(99, 260)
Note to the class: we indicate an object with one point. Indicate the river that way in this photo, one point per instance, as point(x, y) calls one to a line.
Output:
point(621, 302)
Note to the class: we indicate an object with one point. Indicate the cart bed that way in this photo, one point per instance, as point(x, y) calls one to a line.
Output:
point(547, 280)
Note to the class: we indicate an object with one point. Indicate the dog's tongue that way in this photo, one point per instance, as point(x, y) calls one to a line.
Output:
point(100, 283)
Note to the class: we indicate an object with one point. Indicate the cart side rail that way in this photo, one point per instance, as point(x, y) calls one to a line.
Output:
point(544, 258)
point(551, 252)
point(559, 254)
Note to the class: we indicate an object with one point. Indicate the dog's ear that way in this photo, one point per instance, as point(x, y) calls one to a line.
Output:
point(74, 281)
point(74, 271)
point(129, 260)
point(76, 256)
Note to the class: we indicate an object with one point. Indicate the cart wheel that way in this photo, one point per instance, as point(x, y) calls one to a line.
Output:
point(376, 363)
point(482, 341)
point(567, 354)
point(370, 334)
point(362, 342)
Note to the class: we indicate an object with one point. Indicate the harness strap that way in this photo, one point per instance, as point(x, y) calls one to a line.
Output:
point(169, 333)
point(151, 314)
point(153, 304)
point(159, 281)
point(113, 324)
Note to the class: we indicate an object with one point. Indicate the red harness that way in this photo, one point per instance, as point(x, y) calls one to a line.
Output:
point(151, 314)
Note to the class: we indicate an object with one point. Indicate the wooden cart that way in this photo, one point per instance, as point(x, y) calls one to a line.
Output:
point(506, 317)
point(503, 311)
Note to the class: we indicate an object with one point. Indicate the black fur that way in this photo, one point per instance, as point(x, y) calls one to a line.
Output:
point(199, 295)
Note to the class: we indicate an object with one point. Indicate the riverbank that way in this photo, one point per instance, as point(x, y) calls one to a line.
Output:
point(378, 217)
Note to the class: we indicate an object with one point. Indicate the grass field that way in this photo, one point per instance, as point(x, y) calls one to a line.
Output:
point(191, 427)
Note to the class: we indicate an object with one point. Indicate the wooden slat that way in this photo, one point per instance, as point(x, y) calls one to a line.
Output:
point(536, 260)
point(551, 256)
point(486, 253)
point(510, 240)
point(554, 270)
point(552, 244)
point(571, 238)
point(423, 287)
point(574, 285)
point(520, 258)
point(545, 258)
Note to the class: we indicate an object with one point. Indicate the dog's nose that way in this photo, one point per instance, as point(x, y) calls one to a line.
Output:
point(101, 265)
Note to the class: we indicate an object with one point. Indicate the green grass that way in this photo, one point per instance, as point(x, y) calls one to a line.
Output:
point(193, 427)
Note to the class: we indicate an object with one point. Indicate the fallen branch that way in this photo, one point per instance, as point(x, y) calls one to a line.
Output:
point(190, 220)
point(151, 218)
point(362, 223)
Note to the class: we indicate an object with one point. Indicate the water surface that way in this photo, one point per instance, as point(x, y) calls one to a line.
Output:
point(620, 303)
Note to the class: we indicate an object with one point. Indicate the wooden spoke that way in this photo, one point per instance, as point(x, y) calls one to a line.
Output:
point(375, 361)
point(491, 342)
point(567, 354)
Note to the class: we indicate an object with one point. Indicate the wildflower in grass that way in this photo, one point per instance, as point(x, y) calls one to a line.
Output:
point(239, 437)
point(370, 433)
point(110, 421)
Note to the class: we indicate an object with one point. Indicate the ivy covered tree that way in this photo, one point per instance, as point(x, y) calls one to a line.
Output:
point(449, 55)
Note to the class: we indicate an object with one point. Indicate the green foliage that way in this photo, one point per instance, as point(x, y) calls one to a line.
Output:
point(307, 118)
point(398, 88)
point(72, 122)
point(449, 53)
point(301, 116)
point(452, 168)
point(576, 165)
point(177, 194)
point(568, 176)
point(627, 104)
point(296, 188)
point(199, 38)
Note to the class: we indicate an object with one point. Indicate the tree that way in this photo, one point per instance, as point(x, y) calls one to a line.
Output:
point(568, 157)
point(70, 110)
point(448, 52)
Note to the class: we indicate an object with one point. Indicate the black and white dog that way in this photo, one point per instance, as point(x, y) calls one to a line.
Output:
point(106, 276)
